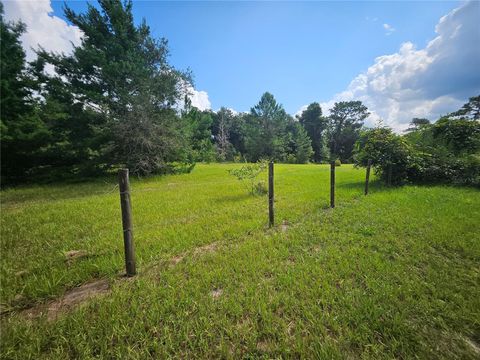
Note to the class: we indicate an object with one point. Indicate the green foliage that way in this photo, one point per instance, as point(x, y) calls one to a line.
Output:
point(446, 151)
point(418, 123)
point(120, 73)
point(338, 162)
point(200, 124)
point(315, 125)
point(300, 145)
point(267, 130)
point(22, 132)
point(460, 136)
point(114, 102)
point(344, 124)
point(470, 110)
point(248, 175)
point(228, 130)
point(389, 154)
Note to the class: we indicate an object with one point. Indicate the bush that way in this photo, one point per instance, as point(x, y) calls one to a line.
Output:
point(260, 188)
point(387, 152)
point(248, 174)
point(437, 164)
point(447, 169)
point(338, 162)
point(291, 159)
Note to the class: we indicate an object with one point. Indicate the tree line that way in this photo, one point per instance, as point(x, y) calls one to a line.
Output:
point(116, 101)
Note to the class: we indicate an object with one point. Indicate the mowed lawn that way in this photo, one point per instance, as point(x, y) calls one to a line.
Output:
point(395, 274)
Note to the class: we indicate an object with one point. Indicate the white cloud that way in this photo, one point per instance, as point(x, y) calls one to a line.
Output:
point(301, 110)
point(427, 82)
point(54, 34)
point(389, 29)
point(199, 99)
point(43, 28)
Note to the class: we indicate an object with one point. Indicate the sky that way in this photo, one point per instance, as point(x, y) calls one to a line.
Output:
point(402, 59)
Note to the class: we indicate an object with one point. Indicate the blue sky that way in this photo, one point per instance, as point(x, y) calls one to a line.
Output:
point(300, 51)
point(309, 51)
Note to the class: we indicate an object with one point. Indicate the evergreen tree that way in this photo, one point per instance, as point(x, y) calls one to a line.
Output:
point(22, 131)
point(266, 130)
point(121, 73)
point(301, 145)
point(315, 125)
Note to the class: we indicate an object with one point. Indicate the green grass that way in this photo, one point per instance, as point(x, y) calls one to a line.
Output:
point(395, 274)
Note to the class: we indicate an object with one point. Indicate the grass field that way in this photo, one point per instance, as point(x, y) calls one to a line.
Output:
point(395, 274)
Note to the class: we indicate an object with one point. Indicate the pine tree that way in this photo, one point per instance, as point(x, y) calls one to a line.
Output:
point(22, 131)
point(121, 74)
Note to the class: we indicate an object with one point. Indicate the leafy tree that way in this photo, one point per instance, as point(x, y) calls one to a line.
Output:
point(121, 73)
point(345, 121)
point(266, 130)
point(248, 175)
point(417, 124)
point(315, 125)
point(458, 135)
point(200, 124)
point(388, 153)
point(470, 110)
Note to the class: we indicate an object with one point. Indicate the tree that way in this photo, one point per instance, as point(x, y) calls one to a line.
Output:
point(470, 110)
point(121, 73)
point(417, 124)
point(460, 136)
point(388, 153)
point(301, 145)
point(315, 125)
point(227, 128)
point(22, 131)
point(266, 130)
point(200, 124)
point(345, 121)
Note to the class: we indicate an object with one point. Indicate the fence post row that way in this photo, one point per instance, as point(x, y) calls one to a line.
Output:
point(367, 178)
point(332, 184)
point(127, 223)
point(270, 194)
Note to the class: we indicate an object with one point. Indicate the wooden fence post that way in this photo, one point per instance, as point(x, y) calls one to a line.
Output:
point(270, 194)
point(124, 186)
point(367, 177)
point(332, 184)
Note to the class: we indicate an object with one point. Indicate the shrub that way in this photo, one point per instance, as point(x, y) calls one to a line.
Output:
point(291, 159)
point(447, 169)
point(248, 174)
point(387, 152)
point(338, 162)
point(260, 188)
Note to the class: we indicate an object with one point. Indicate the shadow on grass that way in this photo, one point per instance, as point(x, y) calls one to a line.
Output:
point(373, 186)
point(54, 191)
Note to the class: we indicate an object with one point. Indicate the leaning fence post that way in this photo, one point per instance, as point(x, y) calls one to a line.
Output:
point(367, 177)
point(332, 184)
point(127, 223)
point(270, 194)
